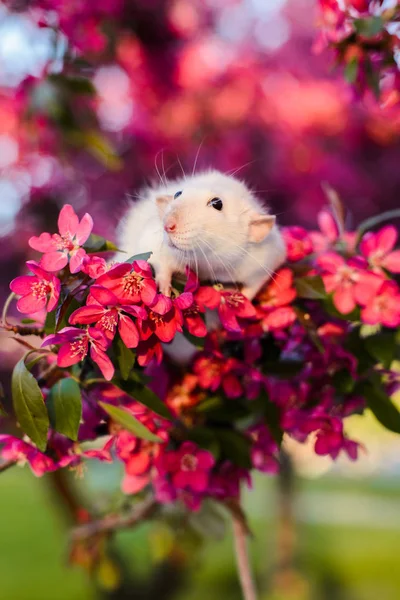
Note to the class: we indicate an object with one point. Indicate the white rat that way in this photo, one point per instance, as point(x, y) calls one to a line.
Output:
point(209, 221)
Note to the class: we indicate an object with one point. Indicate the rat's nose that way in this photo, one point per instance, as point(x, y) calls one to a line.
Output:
point(170, 225)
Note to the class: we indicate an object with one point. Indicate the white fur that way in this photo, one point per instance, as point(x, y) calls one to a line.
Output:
point(215, 244)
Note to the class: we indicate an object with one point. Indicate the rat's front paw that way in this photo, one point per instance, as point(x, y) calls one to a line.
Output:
point(164, 285)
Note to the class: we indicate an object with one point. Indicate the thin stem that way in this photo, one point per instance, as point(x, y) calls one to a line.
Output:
point(6, 307)
point(22, 330)
point(242, 559)
point(110, 523)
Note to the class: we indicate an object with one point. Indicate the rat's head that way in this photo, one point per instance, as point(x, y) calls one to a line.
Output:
point(212, 214)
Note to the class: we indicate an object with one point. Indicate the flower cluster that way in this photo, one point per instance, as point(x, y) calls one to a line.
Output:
point(366, 37)
point(295, 362)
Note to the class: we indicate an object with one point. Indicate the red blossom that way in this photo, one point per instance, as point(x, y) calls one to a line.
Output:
point(234, 306)
point(188, 468)
point(131, 284)
point(384, 307)
point(75, 344)
point(298, 243)
point(38, 291)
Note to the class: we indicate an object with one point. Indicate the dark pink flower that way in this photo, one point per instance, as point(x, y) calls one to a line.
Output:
point(214, 371)
point(163, 320)
point(264, 450)
point(149, 351)
point(349, 281)
point(378, 249)
point(65, 245)
point(384, 308)
point(275, 299)
point(298, 243)
point(330, 440)
point(75, 344)
point(38, 291)
point(103, 309)
point(234, 306)
point(188, 468)
point(94, 266)
point(21, 452)
point(131, 283)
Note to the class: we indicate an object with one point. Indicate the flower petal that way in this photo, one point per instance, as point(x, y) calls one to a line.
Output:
point(343, 300)
point(392, 262)
point(77, 260)
point(53, 261)
point(84, 229)
point(128, 331)
point(104, 296)
point(86, 315)
point(67, 221)
point(29, 304)
point(103, 362)
point(23, 285)
point(44, 243)
point(386, 239)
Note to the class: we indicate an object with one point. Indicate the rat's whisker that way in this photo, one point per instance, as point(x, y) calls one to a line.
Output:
point(182, 169)
point(164, 183)
point(233, 172)
point(212, 272)
point(263, 267)
point(229, 269)
point(197, 155)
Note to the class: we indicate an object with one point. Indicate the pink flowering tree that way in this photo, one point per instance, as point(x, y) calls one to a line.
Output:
point(316, 345)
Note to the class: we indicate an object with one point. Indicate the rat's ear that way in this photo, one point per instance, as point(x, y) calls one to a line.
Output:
point(260, 226)
point(162, 202)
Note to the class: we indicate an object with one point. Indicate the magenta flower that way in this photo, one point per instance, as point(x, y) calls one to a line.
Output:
point(234, 305)
point(131, 283)
point(349, 281)
point(189, 467)
point(275, 310)
point(298, 243)
point(215, 371)
point(75, 344)
point(149, 351)
point(102, 308)
point(38, 291)
point(65, 245)
point(264, 450)
point(378, 249)
point(94, 266)
point(21, 452)
point(384, 308)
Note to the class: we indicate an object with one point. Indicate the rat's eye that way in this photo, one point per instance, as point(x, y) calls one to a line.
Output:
point(216, 203)
point(177, 195)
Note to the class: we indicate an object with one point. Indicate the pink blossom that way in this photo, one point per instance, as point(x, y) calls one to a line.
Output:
point(38, 291)
point(75, 344)
point(378, 249)
point(384, 308)
point(264, 450)
point(331, 440)
point(149, 351)
point(65, 245)
point(94, 266)
point(131, 284)
point(21, 452)
point(188, 468)
point(102, 308)
point(349, 281)
point(298, 243)
point(234, 305)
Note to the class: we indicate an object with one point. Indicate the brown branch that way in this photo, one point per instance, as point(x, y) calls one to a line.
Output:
point(242, 558)
point(6, 465)
point(23, 330)
point(110, 523)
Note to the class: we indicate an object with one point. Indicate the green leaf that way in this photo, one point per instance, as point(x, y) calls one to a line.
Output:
point(343, 381)
point(381, 405)
point(143, 256)
point(29, 405)
point(235, 447)
point(64, 312)
point(206, 439)
point(100, 147)
point(382, 346)
point(126, 359)
point(310, 287)
point(351, 70)
point(28, 321)
point(65, 407)
point(374, 221)
point(96, 243)
point(209, 404)
point(196, 341)
point(129, 422)
point(369, 27)
point(50, 322)
point(74, 84)
point(144, 395)
point(272, 416)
